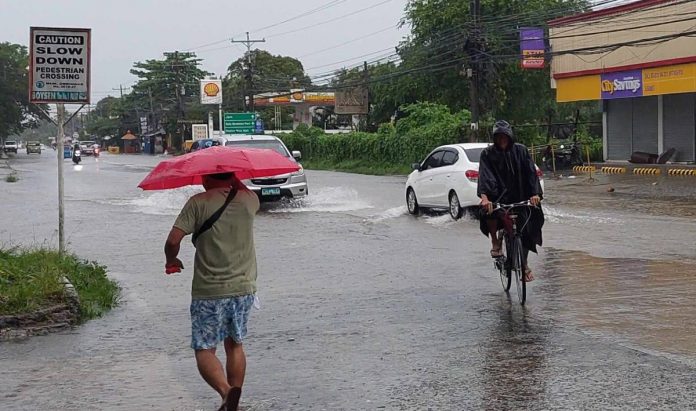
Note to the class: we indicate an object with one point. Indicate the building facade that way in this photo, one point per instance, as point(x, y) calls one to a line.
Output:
point(639, 60)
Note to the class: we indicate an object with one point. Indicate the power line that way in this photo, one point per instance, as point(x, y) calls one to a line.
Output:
point(330, 20)
point(303, 14)
point(347, 42)
point(307, 13)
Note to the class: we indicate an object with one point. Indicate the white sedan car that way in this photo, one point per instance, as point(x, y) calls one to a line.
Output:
point(447, 179)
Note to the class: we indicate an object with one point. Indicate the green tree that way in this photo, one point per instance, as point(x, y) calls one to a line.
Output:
point(270, 73)
point(167, 91)
point(439, 50)
point(16, 113)
point(104, 119)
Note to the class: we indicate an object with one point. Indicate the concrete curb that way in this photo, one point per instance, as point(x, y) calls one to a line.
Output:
point(647, 170)
point(54, 318)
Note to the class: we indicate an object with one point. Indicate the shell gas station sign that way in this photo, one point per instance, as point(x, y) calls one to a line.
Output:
point(211, 91)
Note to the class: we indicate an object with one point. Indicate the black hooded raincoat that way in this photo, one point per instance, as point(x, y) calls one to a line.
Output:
point(510, 177)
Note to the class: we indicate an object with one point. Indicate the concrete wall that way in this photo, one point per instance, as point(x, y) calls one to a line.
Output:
point(623, 26)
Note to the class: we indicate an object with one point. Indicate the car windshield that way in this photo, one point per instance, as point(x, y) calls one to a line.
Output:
point(11, 143)
point(267, 144)
point(87, 143)
point(474, 154)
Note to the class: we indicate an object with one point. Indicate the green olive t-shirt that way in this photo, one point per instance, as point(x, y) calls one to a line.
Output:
point(225, 261)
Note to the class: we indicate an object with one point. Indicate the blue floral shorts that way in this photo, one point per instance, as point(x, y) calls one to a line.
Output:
point(216, 319)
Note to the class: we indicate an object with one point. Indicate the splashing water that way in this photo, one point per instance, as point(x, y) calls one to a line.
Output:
point(389, 214)
point(167, 202)
point(325, 200)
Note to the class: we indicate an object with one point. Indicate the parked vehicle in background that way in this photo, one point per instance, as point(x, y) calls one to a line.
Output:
point(205, 143)
point(447, 179)
point(10, 147)
point(565, 154)
point(87, 147)
point(277, 187)
point(33, 147)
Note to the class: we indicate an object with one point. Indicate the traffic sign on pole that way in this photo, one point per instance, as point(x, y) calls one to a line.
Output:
point(239, 123)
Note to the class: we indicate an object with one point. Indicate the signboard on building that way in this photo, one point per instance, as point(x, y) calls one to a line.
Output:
point(679, 78)
point(622, 84)
point(143, 125)
point(199, 131)
point(352, 101)
point(239, 123)
point(59, 64)
point(532, 47)
point(211, 91)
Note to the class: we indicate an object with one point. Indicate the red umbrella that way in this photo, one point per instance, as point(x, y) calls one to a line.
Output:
point(244, 163)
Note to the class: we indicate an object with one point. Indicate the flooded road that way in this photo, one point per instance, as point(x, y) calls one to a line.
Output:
point(365, 307)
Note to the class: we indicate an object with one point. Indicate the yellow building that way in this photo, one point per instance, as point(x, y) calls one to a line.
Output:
point(639, 60)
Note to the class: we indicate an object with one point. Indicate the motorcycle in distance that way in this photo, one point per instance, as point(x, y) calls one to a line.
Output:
point(566, 155)
point(77, 156)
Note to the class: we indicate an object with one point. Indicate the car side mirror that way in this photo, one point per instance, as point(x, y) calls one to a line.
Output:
point(416, 166)
point(297, 155)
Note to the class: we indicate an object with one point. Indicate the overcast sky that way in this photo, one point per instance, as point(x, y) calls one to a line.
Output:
point(127, 31)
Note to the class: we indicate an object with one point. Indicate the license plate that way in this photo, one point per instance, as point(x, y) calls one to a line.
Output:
point(270, 191)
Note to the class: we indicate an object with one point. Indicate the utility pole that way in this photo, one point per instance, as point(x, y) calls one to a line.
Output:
point(249, 69)
point(176, 65)
point(120, 89)
point(366, 84)
point(474, 71)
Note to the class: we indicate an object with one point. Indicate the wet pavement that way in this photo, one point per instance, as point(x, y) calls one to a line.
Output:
point(364, 307)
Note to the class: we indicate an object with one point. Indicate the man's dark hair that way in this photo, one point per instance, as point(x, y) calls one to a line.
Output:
point(221, 176)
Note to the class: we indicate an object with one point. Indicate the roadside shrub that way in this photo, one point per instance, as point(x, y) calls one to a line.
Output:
point(425, 127)
point(32, 279)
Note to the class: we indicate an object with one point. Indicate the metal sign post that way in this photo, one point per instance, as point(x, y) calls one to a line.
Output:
point(60, 148)
point(59, 72)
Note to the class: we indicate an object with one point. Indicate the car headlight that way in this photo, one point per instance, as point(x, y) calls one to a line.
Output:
point(299, 172)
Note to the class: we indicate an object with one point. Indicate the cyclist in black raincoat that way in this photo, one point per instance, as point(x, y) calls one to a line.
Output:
point(508, 175)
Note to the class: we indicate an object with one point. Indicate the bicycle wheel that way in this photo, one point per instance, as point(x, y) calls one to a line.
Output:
point(517, 265)
point(503, 267)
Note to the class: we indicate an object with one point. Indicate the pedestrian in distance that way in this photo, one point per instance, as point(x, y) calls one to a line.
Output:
point(221, 222)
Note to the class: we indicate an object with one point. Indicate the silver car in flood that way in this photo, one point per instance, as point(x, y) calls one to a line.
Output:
point(276, 187)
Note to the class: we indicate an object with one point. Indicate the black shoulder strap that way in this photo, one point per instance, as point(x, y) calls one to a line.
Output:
point(208, 224)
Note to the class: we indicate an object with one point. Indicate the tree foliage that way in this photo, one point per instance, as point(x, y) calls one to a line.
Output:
point(16, 113)
point(440, 41)
point(167, 90)
point(270, 73)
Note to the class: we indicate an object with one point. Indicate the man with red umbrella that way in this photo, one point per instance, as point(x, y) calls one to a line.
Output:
point(221, 220)
point(224, 277)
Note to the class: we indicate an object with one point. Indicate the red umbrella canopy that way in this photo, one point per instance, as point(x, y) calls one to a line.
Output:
point(244, 163)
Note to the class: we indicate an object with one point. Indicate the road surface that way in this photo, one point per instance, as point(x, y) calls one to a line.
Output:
point(365, 307)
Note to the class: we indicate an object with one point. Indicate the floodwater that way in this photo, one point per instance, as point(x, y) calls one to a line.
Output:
point(365, 307)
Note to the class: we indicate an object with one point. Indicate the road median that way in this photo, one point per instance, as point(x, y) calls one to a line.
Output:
point(41, 291)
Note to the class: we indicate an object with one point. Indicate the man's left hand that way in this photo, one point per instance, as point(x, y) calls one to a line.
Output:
point(535, 201)
point(174, 266)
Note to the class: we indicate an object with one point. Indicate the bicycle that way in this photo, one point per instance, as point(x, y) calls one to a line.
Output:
point(514, 257)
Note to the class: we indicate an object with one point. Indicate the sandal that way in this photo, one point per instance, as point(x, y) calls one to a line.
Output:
point(497, 252)
point(528, 275)
point(231, 402)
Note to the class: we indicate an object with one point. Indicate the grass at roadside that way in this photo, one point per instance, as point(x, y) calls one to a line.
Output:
point(12, 178)
point(31, 279)
point(358, 167)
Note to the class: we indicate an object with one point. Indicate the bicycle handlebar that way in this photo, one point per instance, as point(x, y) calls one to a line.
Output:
point(500, 206)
